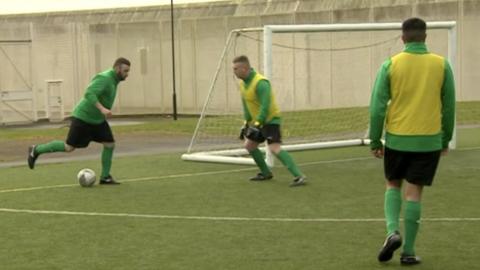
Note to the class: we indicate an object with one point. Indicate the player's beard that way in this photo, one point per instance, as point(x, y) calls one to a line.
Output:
point(121, 77)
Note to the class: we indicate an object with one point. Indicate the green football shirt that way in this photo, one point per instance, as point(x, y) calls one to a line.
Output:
point(103, 89)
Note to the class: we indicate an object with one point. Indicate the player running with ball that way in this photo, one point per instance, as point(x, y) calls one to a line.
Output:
point(88, 122)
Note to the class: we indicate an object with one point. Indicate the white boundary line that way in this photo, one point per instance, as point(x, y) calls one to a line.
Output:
point(34, 188)
point(172, 176)
point(468, 149)
point(150, 178)
point(141, 179)
point(178, 217)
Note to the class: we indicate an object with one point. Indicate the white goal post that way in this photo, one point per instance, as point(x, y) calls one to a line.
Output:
point(237, 156)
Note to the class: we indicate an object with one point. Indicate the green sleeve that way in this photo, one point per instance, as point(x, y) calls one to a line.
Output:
point(448, 105)
point(246, 113)
point(264, 96)
point(378, 105)
point(95, 89)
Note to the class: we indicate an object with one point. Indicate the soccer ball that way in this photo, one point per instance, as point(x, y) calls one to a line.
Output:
point(86, 177)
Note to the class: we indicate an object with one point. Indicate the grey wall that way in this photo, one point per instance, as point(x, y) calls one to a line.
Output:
point(73, 46)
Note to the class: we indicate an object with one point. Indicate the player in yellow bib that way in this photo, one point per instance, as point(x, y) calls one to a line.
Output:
point(413, 99)
point(262, 121)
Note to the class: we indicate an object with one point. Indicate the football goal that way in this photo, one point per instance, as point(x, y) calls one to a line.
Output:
point(322, 76)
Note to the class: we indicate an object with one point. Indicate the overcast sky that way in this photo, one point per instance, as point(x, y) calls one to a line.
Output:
point(32, 6)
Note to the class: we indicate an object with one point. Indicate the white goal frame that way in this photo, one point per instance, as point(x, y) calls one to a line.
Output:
point(231, 156)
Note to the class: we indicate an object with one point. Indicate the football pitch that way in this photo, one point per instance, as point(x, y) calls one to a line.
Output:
point(171, 214)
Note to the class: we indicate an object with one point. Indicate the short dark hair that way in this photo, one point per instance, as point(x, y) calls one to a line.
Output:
point(241, 59)
point(120, 61)
point(414, 30)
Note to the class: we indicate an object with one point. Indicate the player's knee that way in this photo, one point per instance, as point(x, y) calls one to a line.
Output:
point(413, 192)
point(275, 148)
point(109, 145)
point(250, 146)
point(69, 148)
point(394, 184)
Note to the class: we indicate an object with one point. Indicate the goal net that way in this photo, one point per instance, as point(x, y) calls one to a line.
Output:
point(321, 75)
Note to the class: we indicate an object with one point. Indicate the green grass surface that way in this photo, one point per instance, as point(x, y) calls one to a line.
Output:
point(320, 122)
point(344, 183)
point(147, 126)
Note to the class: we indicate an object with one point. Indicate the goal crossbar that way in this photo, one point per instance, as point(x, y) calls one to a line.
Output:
point(235, 156)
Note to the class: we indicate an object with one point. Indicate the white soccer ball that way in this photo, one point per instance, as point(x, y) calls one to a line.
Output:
point(86, 177)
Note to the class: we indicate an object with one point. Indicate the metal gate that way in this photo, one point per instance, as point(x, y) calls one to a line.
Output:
point(17, 100)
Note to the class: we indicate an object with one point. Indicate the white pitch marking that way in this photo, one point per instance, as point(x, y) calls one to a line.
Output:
point(130, 180)
point(336, 161)
point(35, 188)
point(152, 216)
point(468, 148)
point(150, 178)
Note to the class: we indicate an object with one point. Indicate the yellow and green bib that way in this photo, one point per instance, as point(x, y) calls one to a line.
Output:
point(249, 94)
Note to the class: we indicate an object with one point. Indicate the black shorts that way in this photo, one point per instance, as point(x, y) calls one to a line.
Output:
point(416, 167)
point(82, 133)
point(271, 133)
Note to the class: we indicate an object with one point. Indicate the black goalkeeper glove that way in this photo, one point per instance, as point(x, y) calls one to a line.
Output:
point(254, 133)
point(243, 131)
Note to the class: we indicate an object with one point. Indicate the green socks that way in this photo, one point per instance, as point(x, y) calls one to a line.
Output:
point(260, 161)
point(59, 146)
point(412, 222)
point(283, 156)
point(53, 146)
point(392, 206)
point(287, 160)
point(107, 155)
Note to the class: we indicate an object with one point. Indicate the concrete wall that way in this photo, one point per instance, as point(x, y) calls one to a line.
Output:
point(73, 46)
